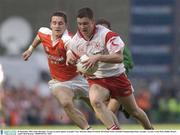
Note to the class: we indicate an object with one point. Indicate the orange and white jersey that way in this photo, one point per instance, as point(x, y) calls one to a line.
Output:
point(56, 54)
point(103, 42)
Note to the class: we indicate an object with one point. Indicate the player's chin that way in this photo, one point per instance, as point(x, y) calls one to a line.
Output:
point(84, 32)
point(58, 33)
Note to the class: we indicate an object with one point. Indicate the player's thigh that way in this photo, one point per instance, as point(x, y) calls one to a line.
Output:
point(61, 90)
point(99, 93)
point(64, 95)
point(80, 86)
point(56, 86)
point(129, 103)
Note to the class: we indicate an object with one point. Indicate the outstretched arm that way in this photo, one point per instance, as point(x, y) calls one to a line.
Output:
point(31, 48)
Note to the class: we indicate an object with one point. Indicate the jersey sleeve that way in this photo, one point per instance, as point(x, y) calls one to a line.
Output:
point(67, 36)
point(72, 43)
point(43, 31)
point(113, 42)
point(66, 41)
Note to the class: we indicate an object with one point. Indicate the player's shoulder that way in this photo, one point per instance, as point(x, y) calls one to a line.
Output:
point(45, 30)
point(102, 30)
point(76, 37)
point(67, 35)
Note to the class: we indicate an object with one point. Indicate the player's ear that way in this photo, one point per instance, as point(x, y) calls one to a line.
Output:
point(66, 25)
point(94, 21)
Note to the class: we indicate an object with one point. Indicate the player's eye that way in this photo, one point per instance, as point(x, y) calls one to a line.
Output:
point(54, 23)
point(60, 23)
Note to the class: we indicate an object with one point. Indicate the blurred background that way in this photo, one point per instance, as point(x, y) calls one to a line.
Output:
point(150, 28)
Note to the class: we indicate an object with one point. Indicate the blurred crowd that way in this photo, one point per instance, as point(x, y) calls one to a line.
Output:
point(33, 106)
point(25, 106)
point(160, 99)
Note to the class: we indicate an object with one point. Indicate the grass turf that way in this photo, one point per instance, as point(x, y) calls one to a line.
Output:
point(95, 127)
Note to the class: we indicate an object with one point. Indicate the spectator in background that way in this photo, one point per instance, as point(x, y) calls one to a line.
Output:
point(144, 100)
point(2, 117)
point(66, 83)
point(113, 104)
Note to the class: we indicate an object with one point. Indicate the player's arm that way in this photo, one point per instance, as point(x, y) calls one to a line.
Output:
point(71, 57)
point(115, 47)
point(112, 58)
point(109, 58)
point(31, 48)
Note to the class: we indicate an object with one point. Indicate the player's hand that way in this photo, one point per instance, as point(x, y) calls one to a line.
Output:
point(70, 58)
point(93, 59)
point(26, 54)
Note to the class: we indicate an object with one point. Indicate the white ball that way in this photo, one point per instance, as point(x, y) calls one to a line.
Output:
point(84, 70)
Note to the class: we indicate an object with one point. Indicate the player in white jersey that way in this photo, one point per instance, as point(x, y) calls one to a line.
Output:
point(105, 48)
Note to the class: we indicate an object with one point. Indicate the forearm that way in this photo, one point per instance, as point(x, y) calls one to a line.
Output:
point(111, 58)
point(31, 48)
point(36, 42)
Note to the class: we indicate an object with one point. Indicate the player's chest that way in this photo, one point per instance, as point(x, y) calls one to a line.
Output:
point(92, 47)
point(55, 51)
point(54, 48)
point(55, 55)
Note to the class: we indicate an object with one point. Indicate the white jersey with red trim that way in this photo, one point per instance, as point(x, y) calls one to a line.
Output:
point(102, 42)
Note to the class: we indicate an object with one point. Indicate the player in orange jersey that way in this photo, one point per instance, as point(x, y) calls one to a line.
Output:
point(66, 83)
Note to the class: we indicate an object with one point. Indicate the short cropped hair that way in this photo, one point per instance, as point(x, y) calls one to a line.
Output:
point(60, 14)
point(103, 21)
point(85, 12)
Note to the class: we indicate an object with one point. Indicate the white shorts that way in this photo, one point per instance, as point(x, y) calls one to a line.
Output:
point(78, 84)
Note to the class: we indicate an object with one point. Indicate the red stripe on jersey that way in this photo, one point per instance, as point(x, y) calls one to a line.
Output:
point(70, 34)
point(109, 35)
point(78, 57)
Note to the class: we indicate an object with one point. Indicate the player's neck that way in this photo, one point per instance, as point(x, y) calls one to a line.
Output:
point(55, 37)
point(89, 36)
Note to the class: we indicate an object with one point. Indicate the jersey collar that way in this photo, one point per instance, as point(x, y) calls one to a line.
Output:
point(92, 35)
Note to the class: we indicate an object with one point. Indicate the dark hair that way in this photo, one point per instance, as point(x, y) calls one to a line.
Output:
point(104, 21)
point(85, 12)
point(60, 14)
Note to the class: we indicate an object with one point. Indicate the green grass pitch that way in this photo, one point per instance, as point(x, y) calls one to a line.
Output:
point(96, 127)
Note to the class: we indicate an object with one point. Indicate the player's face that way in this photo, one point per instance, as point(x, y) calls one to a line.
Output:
point(58, 25)
point(85, 26)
